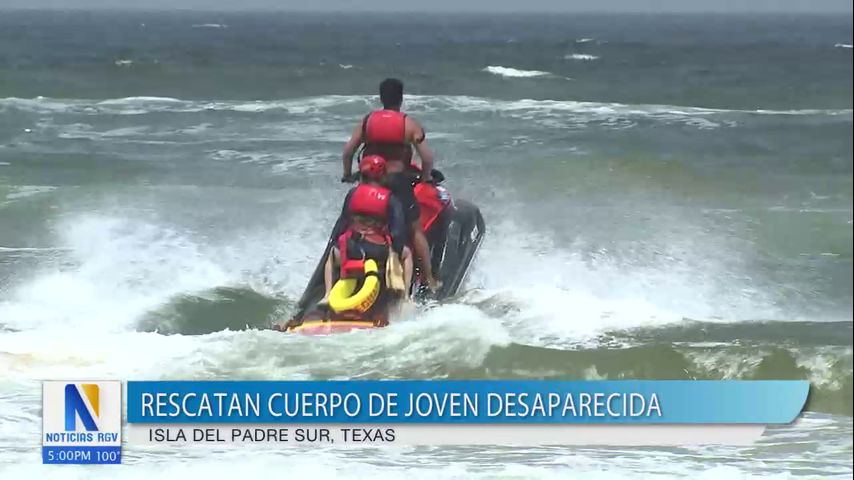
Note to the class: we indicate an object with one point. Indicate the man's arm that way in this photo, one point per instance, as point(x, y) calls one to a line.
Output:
point(415, 134)
point(350, 150)
point(397, 227)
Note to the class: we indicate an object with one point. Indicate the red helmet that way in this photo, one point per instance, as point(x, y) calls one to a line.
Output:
point(372, 166)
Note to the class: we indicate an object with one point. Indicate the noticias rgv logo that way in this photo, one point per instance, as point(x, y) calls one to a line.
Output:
point(76, 408)
point(82, 422)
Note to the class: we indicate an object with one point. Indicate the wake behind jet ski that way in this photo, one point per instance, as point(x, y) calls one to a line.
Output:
point(361, 297)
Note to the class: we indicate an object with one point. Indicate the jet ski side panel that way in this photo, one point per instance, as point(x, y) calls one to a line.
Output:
point(461, 234)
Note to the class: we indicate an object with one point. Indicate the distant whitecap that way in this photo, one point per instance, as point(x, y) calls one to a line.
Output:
point(581, 56)
point(513, 72)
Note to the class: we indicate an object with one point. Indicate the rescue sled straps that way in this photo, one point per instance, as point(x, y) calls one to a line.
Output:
point(344, 296)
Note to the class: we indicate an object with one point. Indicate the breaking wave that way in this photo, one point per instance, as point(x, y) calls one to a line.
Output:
point(581, 56)
point(513, 72)
point(131, 282)
point(146, 105)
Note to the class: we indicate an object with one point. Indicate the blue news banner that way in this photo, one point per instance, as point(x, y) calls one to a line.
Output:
point(82, 419)
point(529, 402)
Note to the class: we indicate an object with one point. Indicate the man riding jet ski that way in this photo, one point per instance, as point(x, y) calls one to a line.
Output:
point(443, 234)
point(393, 134)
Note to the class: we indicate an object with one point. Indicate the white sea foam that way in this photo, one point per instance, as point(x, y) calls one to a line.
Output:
point(416, 103)
point(842, 45)
point(581, 56)
point(281, 163)
point(24, 191)
point(513, 72)
point(124, 269)
point(474, 104)
point(584, 40)
point(140, 99)
point(30, 249)
point(345, 66)
point(123, 63)
point(557, 297)
point(83, 130)
point(210, 25)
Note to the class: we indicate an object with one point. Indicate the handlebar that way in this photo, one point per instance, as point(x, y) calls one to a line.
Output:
point(352, 178)
point(436, 177)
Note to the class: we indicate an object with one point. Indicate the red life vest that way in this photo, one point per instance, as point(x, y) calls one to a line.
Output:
point(384, 134)
point(369, 201)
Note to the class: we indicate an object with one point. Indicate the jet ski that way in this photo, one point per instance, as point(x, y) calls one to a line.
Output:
point(454, 230)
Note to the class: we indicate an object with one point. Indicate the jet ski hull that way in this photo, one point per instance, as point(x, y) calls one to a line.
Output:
point(329, 327)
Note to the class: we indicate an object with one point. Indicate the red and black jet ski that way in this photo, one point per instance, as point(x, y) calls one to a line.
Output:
point(454, 230)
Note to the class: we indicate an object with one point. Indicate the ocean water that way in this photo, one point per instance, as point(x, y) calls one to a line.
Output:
point(665, 196)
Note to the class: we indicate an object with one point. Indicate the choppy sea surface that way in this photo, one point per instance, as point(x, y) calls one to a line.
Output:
point(665, 196)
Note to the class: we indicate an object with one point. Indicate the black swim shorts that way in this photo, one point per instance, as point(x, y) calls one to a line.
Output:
point(400, 185)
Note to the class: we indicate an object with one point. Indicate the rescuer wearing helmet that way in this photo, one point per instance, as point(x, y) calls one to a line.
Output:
point(373, 221)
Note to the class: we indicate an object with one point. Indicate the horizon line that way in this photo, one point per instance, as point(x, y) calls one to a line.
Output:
point(143, 9)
